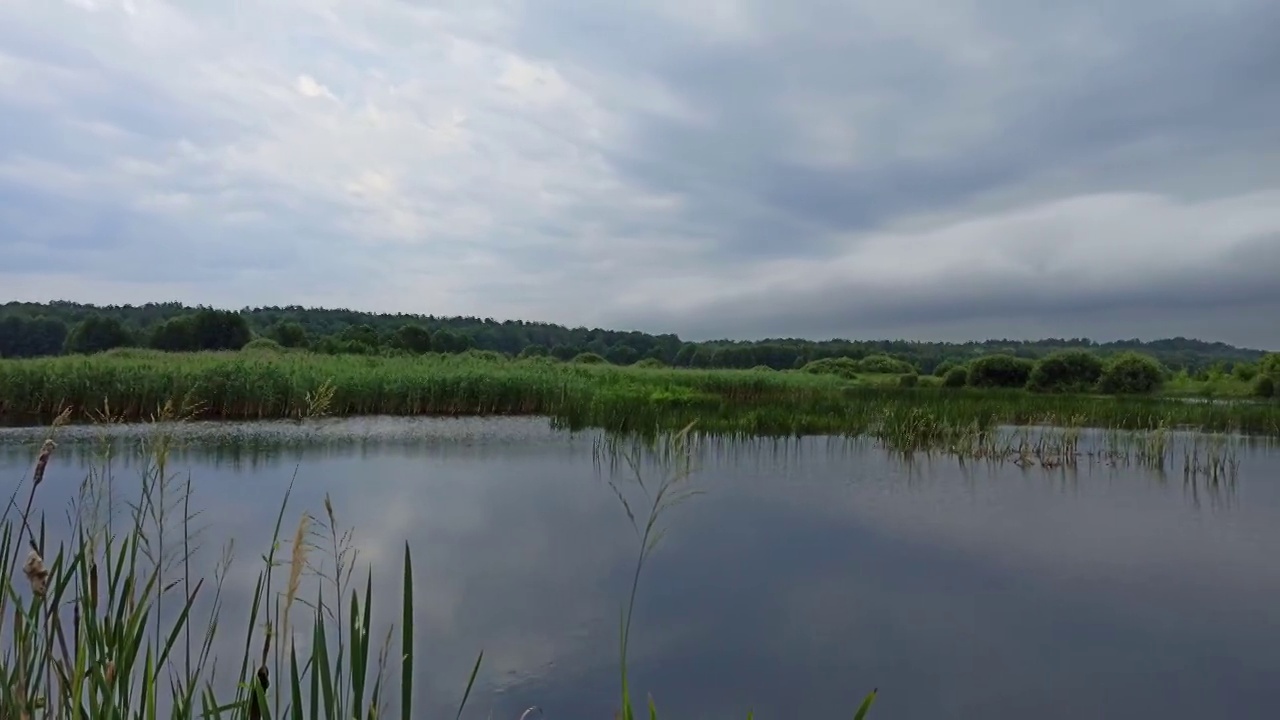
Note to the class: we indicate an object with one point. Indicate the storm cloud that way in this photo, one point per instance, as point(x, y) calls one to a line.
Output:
point(916, 168)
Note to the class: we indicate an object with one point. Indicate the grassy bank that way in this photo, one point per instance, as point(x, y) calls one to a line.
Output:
point(134, 385)
point(117, 621)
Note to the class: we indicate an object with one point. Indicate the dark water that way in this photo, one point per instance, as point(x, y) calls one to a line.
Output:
point(808, 573)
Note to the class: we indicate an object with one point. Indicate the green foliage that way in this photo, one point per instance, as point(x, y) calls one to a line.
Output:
point(999, 371)
point(412, 338)
point(1244, 371)
point(1131, 374)
point(1264, 386)
point(289, 334)
point(589, 358)
point(95, 334)
point(1066, 371)
point(174, 335)
point(841, 367)
point(909, 380)
point(649, 363)
point(621, 354)
point(942, 368)
point(484, 356)
point(884, 364)
point(263, 344)
point(1270, 365)
point(448, 341)
point(133, 383)
point(533, 351)
point(219, 330)
point(324, 330)
point(22, 337)
point(957, 377)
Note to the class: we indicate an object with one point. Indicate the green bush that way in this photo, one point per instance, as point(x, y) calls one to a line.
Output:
point(999, 371)
point(1264, 387)
point(883, 364)
point(909, 380)
point(262, 344)
point(1066, 371)
point(649, 363)
point(1270, 365)
point(1245, 371)
point(956, 377)
point(1131, 373)
point(943, 368)
point(589, 358)
point(844, 367)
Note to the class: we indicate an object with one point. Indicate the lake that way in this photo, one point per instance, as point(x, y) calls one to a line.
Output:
point(806, 573)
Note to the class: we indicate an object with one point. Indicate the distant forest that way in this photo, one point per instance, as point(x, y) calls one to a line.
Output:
point(39, 329)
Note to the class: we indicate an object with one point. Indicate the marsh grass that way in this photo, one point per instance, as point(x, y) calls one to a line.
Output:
point(252, 386)
point(113, 622)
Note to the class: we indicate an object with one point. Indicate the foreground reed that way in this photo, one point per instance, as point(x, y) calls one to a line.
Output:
point(114, 622)
point(251, 386)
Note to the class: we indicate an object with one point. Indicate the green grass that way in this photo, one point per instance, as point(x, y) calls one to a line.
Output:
point(135, 385)
point(115, 623)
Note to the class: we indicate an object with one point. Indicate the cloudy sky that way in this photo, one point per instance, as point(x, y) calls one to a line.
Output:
point(939, 169)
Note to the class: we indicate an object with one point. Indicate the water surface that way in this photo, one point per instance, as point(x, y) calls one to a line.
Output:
point(808, 573)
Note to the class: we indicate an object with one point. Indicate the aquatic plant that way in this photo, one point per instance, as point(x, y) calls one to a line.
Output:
point(267, 385)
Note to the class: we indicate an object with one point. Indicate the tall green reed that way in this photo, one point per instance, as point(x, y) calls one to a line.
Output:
point(673, 456)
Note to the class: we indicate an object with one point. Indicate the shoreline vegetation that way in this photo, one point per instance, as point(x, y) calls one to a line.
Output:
point(115, 620)
point(873, 396)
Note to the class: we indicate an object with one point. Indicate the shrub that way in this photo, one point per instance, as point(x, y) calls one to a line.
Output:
point(1264, 387)
point(1270, 365)
point(1066, 371)
point(991, 371)
point(482, 355)
point(649, 363)
point(956, 378)
point(841, 366)
point(262, 344)
point(589, 358)
point(1131, 373)
point(1245, 371)
point(762, 368)
point(943, 368)
point(909, 380)
point(883, 364)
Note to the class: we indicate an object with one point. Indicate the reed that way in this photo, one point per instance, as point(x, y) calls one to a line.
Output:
point(254, 385)
point(113, 622)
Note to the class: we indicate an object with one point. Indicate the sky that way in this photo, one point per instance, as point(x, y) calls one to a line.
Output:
point(921, 169)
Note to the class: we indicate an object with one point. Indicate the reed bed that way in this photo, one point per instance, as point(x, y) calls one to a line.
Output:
point(255, 385)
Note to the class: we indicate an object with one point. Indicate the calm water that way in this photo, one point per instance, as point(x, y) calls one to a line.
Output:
point(807, 574)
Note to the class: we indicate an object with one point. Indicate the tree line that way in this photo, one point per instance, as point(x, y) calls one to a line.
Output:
point(41, 329)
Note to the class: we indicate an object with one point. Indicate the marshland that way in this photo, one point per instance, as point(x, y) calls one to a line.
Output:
point(132, 384)
point(361, 526)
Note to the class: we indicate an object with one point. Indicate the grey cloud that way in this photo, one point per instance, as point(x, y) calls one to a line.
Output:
point(1195, 79)
point(677, 163)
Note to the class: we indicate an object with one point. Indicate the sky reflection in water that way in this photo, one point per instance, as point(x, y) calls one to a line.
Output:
point(809, 572)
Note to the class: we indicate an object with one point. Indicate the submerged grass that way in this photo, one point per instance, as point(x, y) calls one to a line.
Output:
point(250, 386)
point(113, 622)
